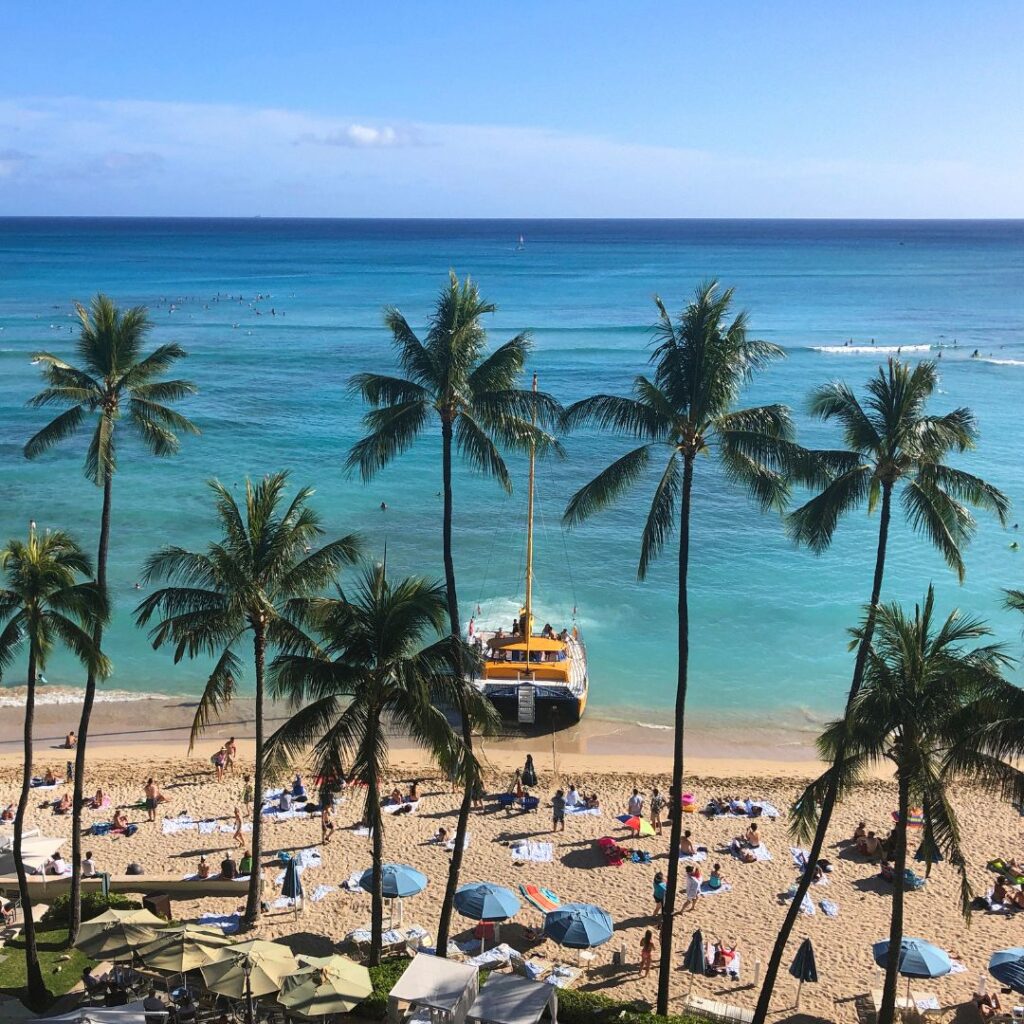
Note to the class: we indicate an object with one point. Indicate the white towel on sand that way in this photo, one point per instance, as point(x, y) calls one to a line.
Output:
point(395, 808)
point(528, 849)
point(322, 892)
point(706, 890)
point(594, 812)
point(450, 844)
point(694, 858)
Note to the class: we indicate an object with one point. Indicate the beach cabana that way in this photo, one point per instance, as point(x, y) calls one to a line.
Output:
point(116, 934)
point(508, 999)
point(446, 990)
point(35, 852)
point(133, 1013)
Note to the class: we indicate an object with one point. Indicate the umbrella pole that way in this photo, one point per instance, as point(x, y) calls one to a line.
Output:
point(799, 989)
point(250, 1016)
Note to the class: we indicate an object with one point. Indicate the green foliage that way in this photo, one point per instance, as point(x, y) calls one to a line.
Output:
point(93, 904)
point(59, 975)
point(384, 977)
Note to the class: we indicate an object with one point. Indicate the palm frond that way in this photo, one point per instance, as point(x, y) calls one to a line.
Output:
point(58, 429)
point(661, 516)
point(815, 522)
point(220, 688)
point(607, 486)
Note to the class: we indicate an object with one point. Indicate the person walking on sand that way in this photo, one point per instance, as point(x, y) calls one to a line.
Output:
point(230, 753)
point(239, 841)
point(326, 823)
point(646, 953)
point(153, 798)
point(659, 893)
point(558, 811)
point(692, 888)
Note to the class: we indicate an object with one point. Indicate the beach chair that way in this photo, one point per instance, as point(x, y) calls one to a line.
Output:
point(716, 1012)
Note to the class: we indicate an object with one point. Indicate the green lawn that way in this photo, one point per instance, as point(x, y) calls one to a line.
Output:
point(59, 975)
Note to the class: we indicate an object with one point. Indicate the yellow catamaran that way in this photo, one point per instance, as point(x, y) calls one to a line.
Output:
point(529, 676)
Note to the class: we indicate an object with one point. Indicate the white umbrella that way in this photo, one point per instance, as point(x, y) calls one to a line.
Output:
point(35, 852)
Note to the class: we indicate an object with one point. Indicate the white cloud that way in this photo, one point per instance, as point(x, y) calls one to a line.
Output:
point(139, 157)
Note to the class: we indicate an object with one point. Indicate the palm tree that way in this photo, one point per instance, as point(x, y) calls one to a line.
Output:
point(701, 361)
point(474, 398)
point(923, 693)
point(893, 444)
point(243, 583)
point(371, 657)
point(46, 599)
point(114, 383)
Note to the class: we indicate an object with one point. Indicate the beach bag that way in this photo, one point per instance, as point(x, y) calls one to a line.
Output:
point(101, 828)
point(131, 830)
point(134, 869)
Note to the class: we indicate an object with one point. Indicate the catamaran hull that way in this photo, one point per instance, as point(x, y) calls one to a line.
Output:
point(553, 709)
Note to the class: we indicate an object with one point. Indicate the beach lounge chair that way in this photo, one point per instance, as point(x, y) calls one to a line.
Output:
point(713, 1010)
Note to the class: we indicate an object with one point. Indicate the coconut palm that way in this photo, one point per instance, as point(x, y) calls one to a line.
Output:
point(114, 385)
point(242, 584)
point(924, 689)
point(370, 657)
point(894, 447)
point(474, 398)
point(47, 599)
point(686, 409)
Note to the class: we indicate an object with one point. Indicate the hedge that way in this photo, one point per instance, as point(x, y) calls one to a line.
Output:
point(93, 904)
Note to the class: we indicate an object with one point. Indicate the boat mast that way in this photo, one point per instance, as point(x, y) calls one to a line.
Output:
point(529, 535)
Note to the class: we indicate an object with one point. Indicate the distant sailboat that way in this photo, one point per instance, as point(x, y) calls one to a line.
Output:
point(522, 244)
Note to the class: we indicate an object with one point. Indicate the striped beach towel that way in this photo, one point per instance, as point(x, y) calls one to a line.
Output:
point(543, 899)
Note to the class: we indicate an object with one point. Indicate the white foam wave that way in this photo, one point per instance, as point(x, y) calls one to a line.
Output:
point(861, 350)
point(1003, 362)
point(14, 697)
point(652, 725)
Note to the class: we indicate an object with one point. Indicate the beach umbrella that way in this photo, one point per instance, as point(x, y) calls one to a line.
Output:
point(484, 901)
point(115, 934)
point(182, 948)
point(639, 825)
point(694, 959)
point(1007, 966)
point(396, 881)
point(292, 885)
point(248, 969)
point(804, 967)
point(579, 925)
point(325, 985)
point(35, 852)
point(918, 959)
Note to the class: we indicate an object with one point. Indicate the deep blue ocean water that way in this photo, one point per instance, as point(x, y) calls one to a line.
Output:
point(768, 620)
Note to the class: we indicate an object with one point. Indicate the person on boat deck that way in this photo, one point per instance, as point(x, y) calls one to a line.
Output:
point(572, 798)
point(499, 633)
point(515, 627)
point(548, 631)
point(564, 635)
point(298, 789)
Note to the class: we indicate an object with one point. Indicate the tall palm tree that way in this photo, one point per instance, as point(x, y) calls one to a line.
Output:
point(114, 383)
point(242, 584)
point(893, 446)
point(369, 658)
point(474, 397)
point(686, 409)
point(46, 599)
point(923, 692)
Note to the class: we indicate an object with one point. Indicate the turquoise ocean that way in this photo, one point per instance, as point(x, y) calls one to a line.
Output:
point(769, 621)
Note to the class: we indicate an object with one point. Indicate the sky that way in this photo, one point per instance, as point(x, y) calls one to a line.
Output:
point(524, 109)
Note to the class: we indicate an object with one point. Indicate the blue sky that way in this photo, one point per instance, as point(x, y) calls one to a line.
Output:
point(518, 109)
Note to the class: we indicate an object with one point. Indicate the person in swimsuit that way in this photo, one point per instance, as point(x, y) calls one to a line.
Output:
point(326, 823)
point(239, 841)
point(646, 953)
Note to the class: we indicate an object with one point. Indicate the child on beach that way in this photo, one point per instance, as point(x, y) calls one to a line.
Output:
point(692, 888)
point(239, 841)
point(646, 953)
point(558, 811)
point(659, 893)
point(327, 823)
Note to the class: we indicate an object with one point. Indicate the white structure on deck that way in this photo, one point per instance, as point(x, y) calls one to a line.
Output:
point(507, 999)
point(433, 989)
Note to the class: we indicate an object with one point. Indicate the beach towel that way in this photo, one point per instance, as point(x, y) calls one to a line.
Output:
point(640, 857)
point(172, 826)
point(360, 831)
point(404, 808)
point(543, 899)
point(594, 812)
point(500, 954)
point(39, 784)
point(283, 901)
point(207, 828)
point(760, 852)
point(322, 892)
point(528, 849)
point(450, 844)
point(799, 856)
point(829, 908)
point(351, 884)
point(915, 817)
point(228, 829)
point(707, 890)
point(694, 858)
point(806, 904)
point(228, 923)
point(309, 858)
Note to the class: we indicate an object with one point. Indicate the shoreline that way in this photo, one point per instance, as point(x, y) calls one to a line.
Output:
point(162, 725)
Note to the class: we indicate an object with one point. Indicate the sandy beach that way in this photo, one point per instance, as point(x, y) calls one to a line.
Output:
point(748, 914)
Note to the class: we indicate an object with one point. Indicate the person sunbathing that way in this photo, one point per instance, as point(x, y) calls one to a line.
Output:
point(49, 779)
point(99, 801)
point(746, 854)
point(1001, 890)
point(686, 845)
point(592, 802)
point(887, 871)
point(722, 956)
point(203, 869)
point(869, 846)
point(752, 836)
point(298, 789)
point(9, 812)
point(119, 820)
point(70, 741)
point(413, 795)
point(988, 1005)
point(441, 835)
point(860, 832)
point(396, 796)
point(715, 879)
point(63, 805)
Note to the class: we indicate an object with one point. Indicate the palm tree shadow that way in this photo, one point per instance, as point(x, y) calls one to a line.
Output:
point(874, 884)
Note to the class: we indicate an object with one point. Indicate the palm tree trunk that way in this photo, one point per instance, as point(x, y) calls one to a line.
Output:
point(676, 789)
point(36, 987)
point(253, 903)
point(75, 901)
point(375, 820)
point(462, 826)
point(829, 802)
point(887, 1013)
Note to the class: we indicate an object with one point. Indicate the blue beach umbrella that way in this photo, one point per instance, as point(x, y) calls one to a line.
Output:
point(695, 960)
point(292, 885)
point(579, 925)
point(483, 901)
point(1007, 966)
point(804, 968)
point(918, 959)
point(396, 881)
